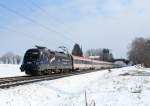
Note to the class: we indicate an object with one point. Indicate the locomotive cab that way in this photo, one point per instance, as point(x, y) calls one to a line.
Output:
point(31, 60)
point(36, 61)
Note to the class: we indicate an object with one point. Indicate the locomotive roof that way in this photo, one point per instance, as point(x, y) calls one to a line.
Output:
point(61, 54)
point(42, 49)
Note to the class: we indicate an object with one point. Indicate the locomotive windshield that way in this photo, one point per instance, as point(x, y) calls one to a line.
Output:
point(32, 55)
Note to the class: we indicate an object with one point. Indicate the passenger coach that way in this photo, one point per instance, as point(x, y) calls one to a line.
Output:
point(82, 63)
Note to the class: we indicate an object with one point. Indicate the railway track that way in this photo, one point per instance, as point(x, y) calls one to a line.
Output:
point(21, 80)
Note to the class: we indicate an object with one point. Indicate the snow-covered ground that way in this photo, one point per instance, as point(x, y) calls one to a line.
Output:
point(9, 70)
point(129, 86)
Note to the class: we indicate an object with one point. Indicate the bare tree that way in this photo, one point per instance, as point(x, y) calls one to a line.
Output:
point(4, 59)
point(93, 52)
point(10, 58)
point(18, 59)
point(139, 51)
point(104, 54)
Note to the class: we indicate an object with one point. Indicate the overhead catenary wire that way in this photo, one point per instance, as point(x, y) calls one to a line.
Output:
point(35, 22)
point(22, 33)
point(44, 11)
point(50, 16)
point(26, 35)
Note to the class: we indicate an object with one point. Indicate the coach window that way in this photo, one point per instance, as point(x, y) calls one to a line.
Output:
point(75, 61)
point(85, 62)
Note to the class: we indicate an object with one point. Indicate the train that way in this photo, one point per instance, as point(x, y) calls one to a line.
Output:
point(44, 61)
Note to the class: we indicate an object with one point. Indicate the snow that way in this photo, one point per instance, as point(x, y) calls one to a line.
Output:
point(129, 86)
point(10, 70)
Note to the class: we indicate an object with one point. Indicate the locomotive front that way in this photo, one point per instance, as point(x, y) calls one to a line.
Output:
point(31, 61)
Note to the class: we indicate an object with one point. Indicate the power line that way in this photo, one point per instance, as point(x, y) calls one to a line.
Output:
point(22, 33)
point(33, 21)
point(45, 12)
point(26, 35)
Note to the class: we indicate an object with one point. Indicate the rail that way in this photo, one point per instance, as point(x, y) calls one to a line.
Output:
point(8, 82)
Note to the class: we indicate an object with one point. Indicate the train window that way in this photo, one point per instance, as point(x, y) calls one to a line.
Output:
point(90, 62)
point(83, 62)
point(86, 62)
point(65, 61)
point(45, 57)
point(79, 62)
point(75, 61)
point(32, 55)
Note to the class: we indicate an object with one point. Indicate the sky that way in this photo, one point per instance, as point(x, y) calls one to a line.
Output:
point(109, 24)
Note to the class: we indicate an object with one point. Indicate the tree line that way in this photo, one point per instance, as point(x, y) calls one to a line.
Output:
point(103, 54)
point(10, 58)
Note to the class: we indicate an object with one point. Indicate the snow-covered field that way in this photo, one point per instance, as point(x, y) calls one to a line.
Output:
point(128, 86)
point(8, 70)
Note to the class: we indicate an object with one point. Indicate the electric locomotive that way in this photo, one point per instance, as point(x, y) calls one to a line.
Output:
point(40, 61)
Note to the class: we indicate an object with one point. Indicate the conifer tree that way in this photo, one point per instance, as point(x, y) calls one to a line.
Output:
point(77, 50)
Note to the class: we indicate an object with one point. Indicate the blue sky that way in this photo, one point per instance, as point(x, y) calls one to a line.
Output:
point(109, 24)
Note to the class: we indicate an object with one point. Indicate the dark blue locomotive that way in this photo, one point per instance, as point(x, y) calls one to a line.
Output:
point(40, 61)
